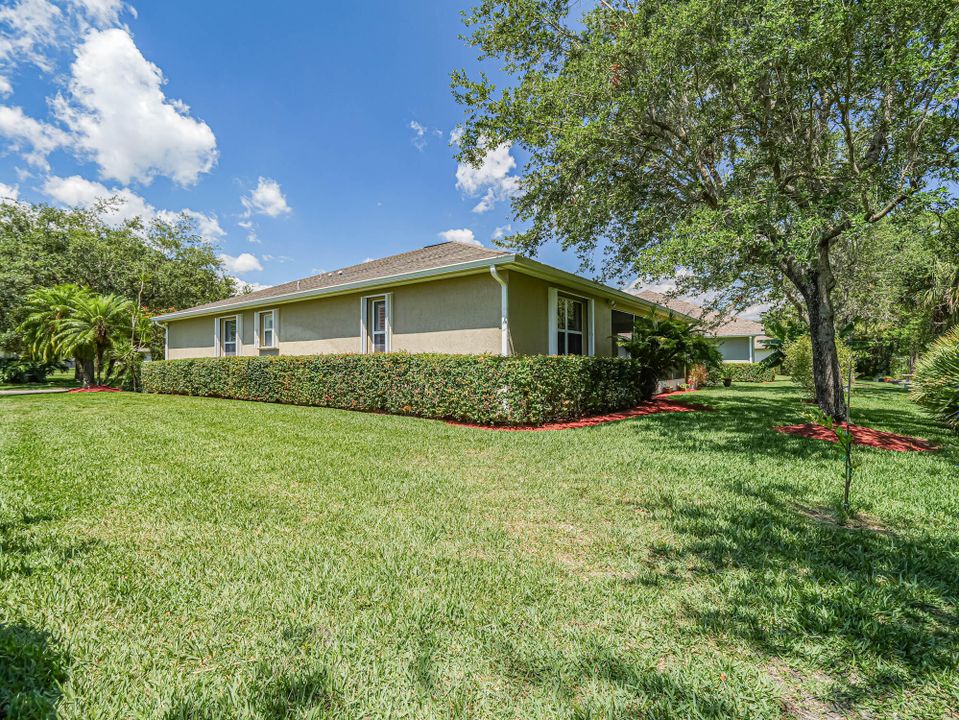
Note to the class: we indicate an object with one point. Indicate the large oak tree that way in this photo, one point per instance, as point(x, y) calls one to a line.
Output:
point(742, 142)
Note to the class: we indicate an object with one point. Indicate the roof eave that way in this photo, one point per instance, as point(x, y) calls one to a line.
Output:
point(398, 279)
point(535, 268)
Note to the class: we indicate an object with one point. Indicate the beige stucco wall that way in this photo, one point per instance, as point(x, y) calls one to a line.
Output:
point(460, 315)
point(457, 315)
point(529, 319)
point(454, 315)
point(316, 327)
point(190, 338)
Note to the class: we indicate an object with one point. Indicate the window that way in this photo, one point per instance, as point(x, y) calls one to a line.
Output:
point(378, 324)
point(266, 329)
point(229, 336)
point(570, 321)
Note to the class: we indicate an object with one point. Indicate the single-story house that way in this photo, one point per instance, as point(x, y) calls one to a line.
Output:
point(739, 339)
point(444, 298)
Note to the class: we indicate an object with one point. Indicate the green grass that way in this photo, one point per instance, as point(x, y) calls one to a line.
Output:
point(59, 379)
point(177, 557)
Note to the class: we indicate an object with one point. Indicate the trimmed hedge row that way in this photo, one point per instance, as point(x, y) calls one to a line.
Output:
point(483, 389)
point(743, 372)
point(749, 372)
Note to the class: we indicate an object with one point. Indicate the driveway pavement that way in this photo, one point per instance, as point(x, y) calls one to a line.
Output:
point(34, 391)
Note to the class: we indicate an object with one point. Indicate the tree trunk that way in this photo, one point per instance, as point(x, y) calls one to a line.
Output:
point(827, 375)
point(99, 366)
point(86, 370)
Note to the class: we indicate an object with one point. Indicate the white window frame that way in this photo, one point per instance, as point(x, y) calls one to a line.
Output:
point(552, 312)
point(364, 321)
point(217, 324)
point(256, 329)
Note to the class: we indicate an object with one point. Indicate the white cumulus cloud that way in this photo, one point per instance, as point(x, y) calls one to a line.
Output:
point(34, 32)
point(9, 193)
point(422, 133)
point(462, 235)
point(75, 191)
point(242, 287)
point(265, 199)
point(122, 204)
point(30, 137)
point(419, 134)
point(490, 178)
point(29, 27)
point(240, 264)
point(101, 12)
point(207, 226)
point(118, 115)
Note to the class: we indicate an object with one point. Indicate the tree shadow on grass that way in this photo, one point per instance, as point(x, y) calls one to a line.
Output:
point(737, 424)
point(874, 611)
point(274, 693)
point(641, 690)
point(26, 547)
point(33, 669)
point(744, 421)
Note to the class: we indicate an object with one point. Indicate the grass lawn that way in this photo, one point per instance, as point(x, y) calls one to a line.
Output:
point(177, 557)
point(58, 379)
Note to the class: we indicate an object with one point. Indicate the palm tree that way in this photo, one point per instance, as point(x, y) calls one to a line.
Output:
point(70, 321)
point(96, 322)
point(666, 345)
point(46, 310)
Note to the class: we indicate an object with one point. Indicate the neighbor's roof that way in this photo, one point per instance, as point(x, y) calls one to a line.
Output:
point(727, 327)
point(441, 259)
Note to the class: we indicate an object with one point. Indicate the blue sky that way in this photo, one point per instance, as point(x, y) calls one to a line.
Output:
point(309, 137)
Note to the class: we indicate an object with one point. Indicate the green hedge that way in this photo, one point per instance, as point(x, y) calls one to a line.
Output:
point(742, 372)
point(468, 388)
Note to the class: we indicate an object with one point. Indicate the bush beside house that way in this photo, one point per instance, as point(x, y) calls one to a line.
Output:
point(742, 373)
point(482, 389)
point(747, 372)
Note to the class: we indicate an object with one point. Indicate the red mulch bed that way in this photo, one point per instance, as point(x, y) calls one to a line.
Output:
point(94, 388)
point(862, 436)
point(659, 404)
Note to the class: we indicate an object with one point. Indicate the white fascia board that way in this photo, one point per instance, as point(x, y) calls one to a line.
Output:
point(385, 281)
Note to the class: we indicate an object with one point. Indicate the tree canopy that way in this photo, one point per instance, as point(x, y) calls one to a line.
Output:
point(745, 143)
point(162, 265)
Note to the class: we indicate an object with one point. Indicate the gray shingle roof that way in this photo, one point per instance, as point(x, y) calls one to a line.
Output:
point(727, 327)
point(427, 258)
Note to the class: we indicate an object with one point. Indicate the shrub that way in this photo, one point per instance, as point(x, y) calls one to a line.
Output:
point(798, 362)
point(748, 372)
point(663, 345)
point(698, 376)
point(936, 380)
point(469, 388)
point(21, 370)
point(742, 372)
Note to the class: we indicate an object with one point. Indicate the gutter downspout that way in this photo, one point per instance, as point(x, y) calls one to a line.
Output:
point(504, 310)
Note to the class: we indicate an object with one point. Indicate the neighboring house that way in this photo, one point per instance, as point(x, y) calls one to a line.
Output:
point(739, 340)
point(444, 298)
